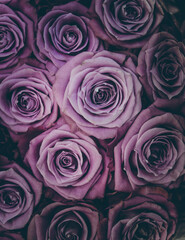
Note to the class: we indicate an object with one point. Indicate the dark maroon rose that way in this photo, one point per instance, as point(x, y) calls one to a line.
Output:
point(64, 32)
point(148, 217)
point(152, 151)
point(27, 100)
point(71, 221)
point(69, 163)
point(125, 23)
point(99, 91)
point(19, 194)
point(161, 66)
point(16, 36)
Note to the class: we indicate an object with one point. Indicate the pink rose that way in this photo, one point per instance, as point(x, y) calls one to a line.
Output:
point(20, 192)
point(125, 23)
point(99, 91)
point(60, 221)
point(152, 151)
point(68, 162)
point(64, 32)
point(27, 100)
point(147, 216)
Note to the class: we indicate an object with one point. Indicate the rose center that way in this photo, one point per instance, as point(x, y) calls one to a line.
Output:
point(144, 231)
point(103, 93)
point(67, 160)
point(69, 230)
point(26, 101)
point(10, 198)
point(130, 12)
point(70, 36)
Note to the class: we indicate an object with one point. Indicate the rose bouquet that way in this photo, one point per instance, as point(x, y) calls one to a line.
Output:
point(92, 119)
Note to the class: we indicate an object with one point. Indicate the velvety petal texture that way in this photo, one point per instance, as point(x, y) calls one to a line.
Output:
point(26, 99)
point(20, 192)
point(99, 91)
point(149, 217)
point(152, 151)
point(64, 32)
point(60, 221)
point(125, 23)
point(69, 163)
point(16, 36)
point(161, 66)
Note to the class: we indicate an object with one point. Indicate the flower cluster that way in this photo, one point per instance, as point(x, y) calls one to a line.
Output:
point(92, 120)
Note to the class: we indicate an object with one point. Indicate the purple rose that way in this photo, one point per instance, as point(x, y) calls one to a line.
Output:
point(161, 65)
point(152, 151)
point(99, 91)
point(126, 23)
point(64, 32)
point(69, 163)
point(19, 194)
point(16, 36)
point(150, 217)
point(59, 221)
point(26, 99)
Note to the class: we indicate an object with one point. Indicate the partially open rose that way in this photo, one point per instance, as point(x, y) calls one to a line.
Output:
point(161, 65)
point(27, 100)
point(99, 91)
point(152, 151)
point(60, 221)
point(126, 23)
point(147, 217)
point(20, 192)
point(64, 32)
point(69, 163)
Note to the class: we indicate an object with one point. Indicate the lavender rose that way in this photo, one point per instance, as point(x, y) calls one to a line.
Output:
point(161, 65)
point(152, 151)
point(126, 23)
point(19, 194)
point(59, 221)
point(150, 217)
point(64, 32)
point(99, 91)
point(16, 36)
point(26, 99)
point(69, 163)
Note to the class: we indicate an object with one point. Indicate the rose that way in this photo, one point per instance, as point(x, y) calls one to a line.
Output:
point(161, 65)
point(19, 194)
point(68, 162)
point(152, 151)
point(99, 91)
point(64, 32)
point(16, 36)
point(149, 217)
point(60, 221)
point(26, 99)
point(125, 23)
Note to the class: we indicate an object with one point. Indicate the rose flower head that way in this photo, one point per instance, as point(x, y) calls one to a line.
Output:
point(20, 192)
point(152, 151)
point(63, 33)
point(68, 162)
point(70, 221)
point(125, 23)
point(27, 100)
point(143, 216)
point(99, 91)
point(161, 66)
